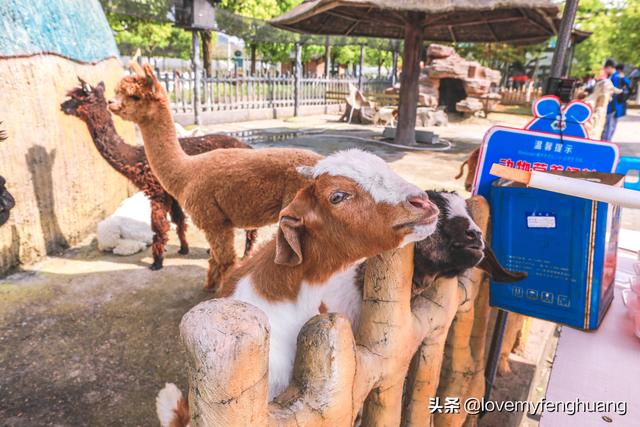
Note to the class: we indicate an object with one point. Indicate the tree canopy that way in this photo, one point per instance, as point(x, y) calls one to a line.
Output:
point(145, 24)
point(616, 34)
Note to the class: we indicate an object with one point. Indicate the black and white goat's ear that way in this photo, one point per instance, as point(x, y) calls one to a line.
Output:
point(497, 272)
point(288, 241)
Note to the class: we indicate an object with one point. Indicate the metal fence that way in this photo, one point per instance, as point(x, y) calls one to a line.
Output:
point(238, 92)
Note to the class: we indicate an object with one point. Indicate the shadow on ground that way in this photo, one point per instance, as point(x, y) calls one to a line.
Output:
point(92, 348)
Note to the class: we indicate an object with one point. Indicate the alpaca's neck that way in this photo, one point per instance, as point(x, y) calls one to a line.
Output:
point(168, 161)
point(109, 144)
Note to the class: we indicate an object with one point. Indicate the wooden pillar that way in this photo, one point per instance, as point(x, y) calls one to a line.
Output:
point(253, 58)
point(394, 64)
point(327, 57)
point(207, 52)
point(361, 68)
point(195, 46)
point(413, 37)
point(564, 37)
point(297, 78)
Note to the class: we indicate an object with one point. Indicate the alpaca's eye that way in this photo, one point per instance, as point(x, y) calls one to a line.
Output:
point(338, 196)
point(135, 97)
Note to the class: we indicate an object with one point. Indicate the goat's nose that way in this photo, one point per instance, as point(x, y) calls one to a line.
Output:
point(111, 101)
point(421, 201)
point(471, 235)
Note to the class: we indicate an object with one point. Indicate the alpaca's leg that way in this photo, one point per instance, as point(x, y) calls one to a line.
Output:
point(160, 228)
point(222, 256)
point(178, 218)
point(250, 240)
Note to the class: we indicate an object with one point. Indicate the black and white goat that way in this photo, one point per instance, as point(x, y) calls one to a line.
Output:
point(444, 278)
point(456, 246)
point(6, 199)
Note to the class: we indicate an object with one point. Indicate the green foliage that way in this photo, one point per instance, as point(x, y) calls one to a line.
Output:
point(496, 55)
point(152, 38)
point(616, 34)
point(626, 39)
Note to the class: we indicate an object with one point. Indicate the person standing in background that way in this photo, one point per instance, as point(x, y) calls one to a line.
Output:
point(618, 106)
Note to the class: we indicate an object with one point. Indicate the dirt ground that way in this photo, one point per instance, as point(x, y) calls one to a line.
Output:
point(87, 338)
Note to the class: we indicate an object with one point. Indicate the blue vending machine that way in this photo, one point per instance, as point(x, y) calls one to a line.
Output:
point(566, 244)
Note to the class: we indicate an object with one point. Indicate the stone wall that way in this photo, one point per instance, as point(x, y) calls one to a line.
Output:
point(61, 184)
point(444, 63)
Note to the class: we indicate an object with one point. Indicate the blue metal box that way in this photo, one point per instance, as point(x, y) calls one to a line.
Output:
point(568, 245)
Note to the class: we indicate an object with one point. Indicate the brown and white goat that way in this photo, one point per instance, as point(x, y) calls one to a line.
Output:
point(354, 208)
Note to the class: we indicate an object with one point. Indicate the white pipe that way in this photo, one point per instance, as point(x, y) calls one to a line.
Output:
point(585, 189)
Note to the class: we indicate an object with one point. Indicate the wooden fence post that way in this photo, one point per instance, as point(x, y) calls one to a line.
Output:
point(297, 79)
point(227, 345)
point(195, 45)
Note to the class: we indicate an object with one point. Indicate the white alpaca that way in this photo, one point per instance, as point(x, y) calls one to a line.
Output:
point(128, 230)
point(183, 133)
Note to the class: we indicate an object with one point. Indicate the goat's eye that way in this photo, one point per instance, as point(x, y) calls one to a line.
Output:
point(135, 97)
point(338, 197)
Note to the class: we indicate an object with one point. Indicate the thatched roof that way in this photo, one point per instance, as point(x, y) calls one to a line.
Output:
point(516, 21)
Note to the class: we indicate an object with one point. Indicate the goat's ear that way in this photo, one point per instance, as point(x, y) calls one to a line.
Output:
point(288, 241)
point(497, 272)
point(100, 86)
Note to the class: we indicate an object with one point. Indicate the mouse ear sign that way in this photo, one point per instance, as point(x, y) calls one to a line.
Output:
point(497, 272)
point(546, 106)
point(578, 112)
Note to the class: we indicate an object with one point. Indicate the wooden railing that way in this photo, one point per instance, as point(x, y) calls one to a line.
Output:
point(224, 92)
point(525, 95)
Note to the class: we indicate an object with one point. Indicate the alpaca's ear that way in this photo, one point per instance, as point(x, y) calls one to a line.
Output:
point(497, 272)
point(288, 245)
point(152, 80)
point(136, 68)
point(149, 74)
point(100, 86)
point(84, 85)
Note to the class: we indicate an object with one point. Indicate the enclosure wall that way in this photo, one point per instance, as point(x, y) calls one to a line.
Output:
point(61, 184)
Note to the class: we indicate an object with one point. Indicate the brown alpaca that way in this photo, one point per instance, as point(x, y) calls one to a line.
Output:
point(472, 164)
point(89, 104)
point(221, 189)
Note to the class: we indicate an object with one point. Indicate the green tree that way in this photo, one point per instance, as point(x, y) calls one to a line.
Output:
point(152, 38)
point(626, 37)
point(597, 17)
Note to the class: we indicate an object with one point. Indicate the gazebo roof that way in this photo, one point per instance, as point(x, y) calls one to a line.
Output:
point(513, 21)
